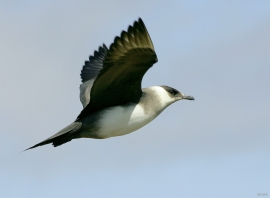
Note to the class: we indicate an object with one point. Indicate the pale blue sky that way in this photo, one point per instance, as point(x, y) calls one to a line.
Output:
point(217, 146)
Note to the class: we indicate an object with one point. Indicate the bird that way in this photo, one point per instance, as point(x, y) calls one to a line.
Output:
point(114, 103)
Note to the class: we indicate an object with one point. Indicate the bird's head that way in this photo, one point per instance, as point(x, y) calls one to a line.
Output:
point(167, 95)
point(176, 95)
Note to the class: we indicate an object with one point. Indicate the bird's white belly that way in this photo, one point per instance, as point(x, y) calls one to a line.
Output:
point(121, 120)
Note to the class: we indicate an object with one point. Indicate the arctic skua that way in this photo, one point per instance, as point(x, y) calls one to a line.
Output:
point(114, 103)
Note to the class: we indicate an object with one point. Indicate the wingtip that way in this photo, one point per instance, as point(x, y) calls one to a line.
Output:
point(140, 21)
point(136, 22)
point(104, 46)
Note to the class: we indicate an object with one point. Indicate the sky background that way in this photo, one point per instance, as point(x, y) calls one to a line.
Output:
point(215, 146)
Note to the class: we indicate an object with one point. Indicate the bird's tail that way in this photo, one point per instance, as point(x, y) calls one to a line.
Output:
point(63, 136)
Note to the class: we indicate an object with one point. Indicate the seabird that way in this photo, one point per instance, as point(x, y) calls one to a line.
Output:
point(114, 103)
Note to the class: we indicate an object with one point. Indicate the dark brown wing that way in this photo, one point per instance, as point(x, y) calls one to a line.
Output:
point(126, 62)
point(92, 67)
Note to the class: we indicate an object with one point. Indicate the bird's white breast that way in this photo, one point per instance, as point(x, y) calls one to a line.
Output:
point(122, 120)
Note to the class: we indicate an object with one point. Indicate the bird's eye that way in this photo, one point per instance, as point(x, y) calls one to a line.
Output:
point(173, 91)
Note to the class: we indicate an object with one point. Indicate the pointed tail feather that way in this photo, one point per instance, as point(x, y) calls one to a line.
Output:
point(63, 136)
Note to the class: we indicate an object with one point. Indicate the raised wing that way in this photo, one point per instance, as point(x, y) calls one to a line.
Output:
point(92, 67)
point(89, 73)
point(126, 62)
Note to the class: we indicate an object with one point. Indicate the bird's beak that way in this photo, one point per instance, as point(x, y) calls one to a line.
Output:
point(188, 97)
point(181, 96)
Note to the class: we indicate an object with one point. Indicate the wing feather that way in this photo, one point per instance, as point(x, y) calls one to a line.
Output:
point(127, 60)
point(92, 67)
point(90, 71)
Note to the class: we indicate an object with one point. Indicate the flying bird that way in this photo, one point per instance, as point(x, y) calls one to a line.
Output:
point(114, 103)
